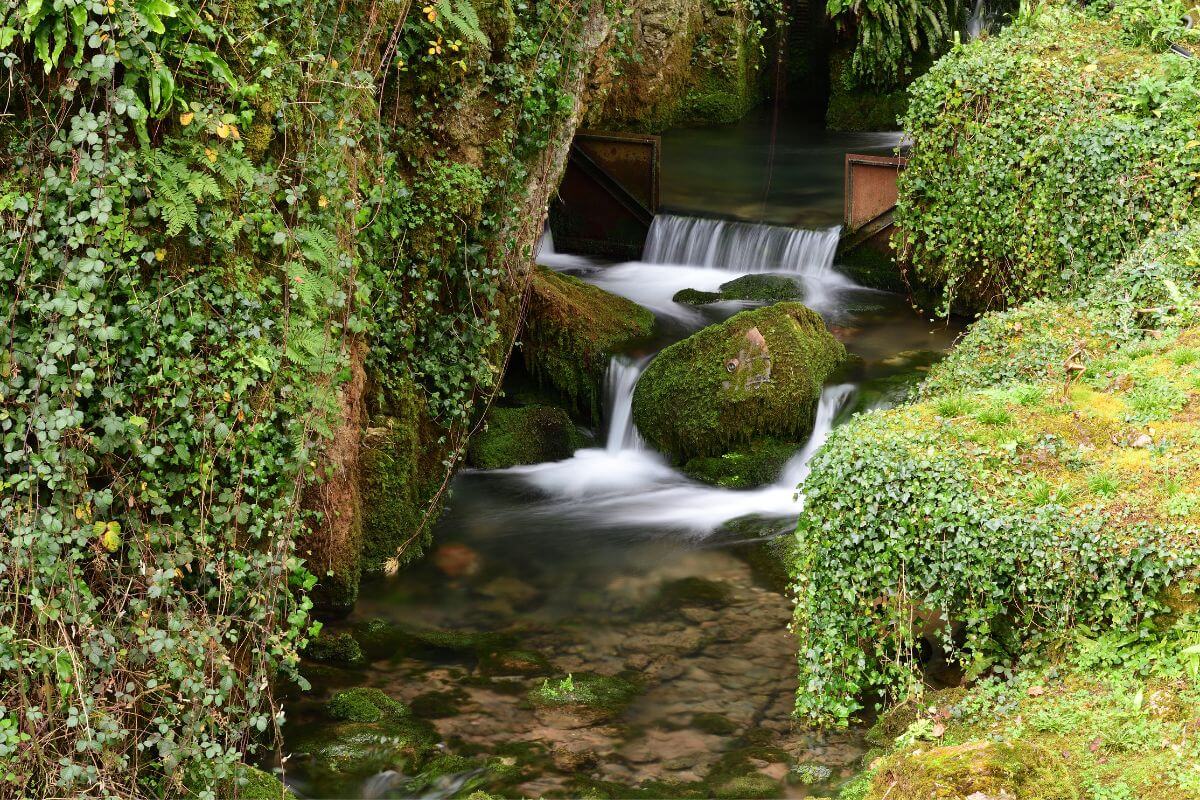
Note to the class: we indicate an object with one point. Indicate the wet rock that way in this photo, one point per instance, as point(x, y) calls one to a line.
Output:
point(757, 374)
point(363, 704)
point(691, 593)
point(436, 705)
point(514, 591)
point(339, 649)
point(695, 297)
point(523, 435)
point(762, 287)
point(514, 662)
point(456, 560)
point(716, 724)
point(755, 464)
point(994, 769)
point(569, 759)
point(578, 701)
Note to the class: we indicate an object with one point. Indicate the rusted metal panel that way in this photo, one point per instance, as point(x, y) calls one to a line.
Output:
point(608, 195)
point(870, 187)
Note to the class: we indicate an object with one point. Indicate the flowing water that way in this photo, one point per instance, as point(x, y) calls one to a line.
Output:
point(614, 562)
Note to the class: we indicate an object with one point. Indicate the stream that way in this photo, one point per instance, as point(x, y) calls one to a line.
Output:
point(614, 562)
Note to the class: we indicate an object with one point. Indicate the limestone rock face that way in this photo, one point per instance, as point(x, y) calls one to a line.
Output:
point(757, 374)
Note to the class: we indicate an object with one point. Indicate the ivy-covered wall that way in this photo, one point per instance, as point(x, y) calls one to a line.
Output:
point(243, 242)
point(1044, 155)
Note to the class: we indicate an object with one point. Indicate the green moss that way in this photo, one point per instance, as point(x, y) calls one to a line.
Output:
point(523, 435)
point(572, 329)
point(603, 693)
point(990, 768)
point(756, 464)
point(695, 297)
point(340, 649)
point(762, 287)
point(358, 748)
point(251, 783)
point(745, 787)
point(364, 704)
point(401, 470)
point(688, 403)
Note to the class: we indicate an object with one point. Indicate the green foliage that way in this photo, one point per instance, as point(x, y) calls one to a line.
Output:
point(890, 35)
point(207, 210)
point(1041, 157)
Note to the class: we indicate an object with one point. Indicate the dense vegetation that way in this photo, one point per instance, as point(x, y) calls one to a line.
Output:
point(214, 215)
point(1044, 155)
point(1043, 477)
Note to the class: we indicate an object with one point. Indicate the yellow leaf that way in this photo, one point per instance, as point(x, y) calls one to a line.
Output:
point(1091, 68)
point(322, 201)
point(210, 154)
point(109, 534)
point(160, 254)
point(1191, 144)
point(186, 118)
point(334, 63)
point(223, 131)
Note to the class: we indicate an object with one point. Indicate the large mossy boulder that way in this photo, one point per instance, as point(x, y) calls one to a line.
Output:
point(523, 435)
point(757, 374)
point(571, 331)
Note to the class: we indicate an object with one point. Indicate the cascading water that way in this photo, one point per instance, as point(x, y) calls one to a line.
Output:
point(619, 381)
point(740, 246)
point(834, 400)
point(697, 253)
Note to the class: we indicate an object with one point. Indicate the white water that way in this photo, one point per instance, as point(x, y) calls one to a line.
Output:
point(626, 483)
point(547, 256)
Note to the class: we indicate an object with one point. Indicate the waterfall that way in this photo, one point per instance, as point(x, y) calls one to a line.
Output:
point(547, 256)
point(740, 246)
point(978, 21)
point(619, 381)
point(834, 400)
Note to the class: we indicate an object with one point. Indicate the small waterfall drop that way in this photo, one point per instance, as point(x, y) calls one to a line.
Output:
point(833, 401)
point(978, 21)
point(740, 246)
point(619, 381)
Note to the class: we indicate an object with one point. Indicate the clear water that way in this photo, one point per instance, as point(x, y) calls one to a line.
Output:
point(574, 557)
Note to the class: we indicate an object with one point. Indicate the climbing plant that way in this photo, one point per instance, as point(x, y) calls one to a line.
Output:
point(889, 35)
point(207, 209)
point(1044, 155)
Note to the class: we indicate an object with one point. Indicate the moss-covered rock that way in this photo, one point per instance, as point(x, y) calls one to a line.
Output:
point(365, 704)
point(757, 374)
point(696, 297)
point(762, 287)
point(582, 699)
point(523, 435)
point(572, 329)
point(755, 464)
point(339, 649)
point(251, 783)
point(514, 662)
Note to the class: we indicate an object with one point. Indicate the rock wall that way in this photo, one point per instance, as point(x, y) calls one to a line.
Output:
point(384, 487)
point(689, 62)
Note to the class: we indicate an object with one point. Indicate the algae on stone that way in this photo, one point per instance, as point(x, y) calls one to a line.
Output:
point(757, 374)
point(365, 704)
point(755, 464)
point(523, 435)
point(571, 331)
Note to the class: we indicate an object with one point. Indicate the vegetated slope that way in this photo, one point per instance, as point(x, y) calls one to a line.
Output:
point(234, 234)
point(1044, 478)
point(1043, 155)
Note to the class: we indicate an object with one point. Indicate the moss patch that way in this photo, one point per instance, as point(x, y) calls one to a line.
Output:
point(756, 464)
point(572, 330)
point(339, 649)
point(363, 704)
point(757, 374)
point(523, 435)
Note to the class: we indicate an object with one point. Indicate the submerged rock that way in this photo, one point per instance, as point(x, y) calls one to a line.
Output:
point(757, 374)
point(523, 435)
point(580, 700)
